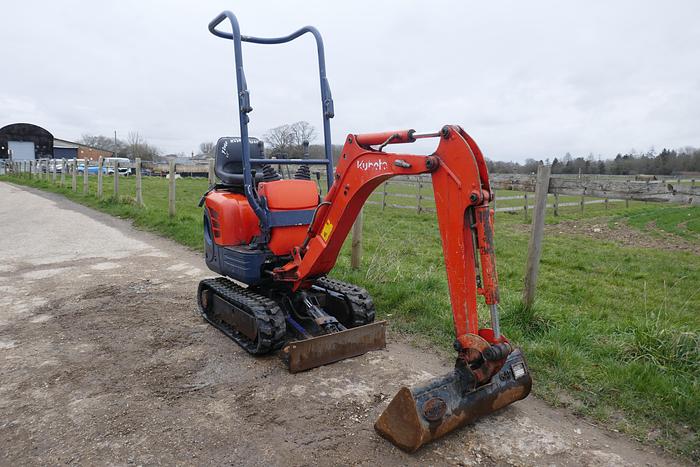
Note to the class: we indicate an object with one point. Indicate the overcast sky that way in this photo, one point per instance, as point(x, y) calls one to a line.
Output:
point(524, 78)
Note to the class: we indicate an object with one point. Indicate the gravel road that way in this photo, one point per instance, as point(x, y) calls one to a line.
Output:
point(104, 360)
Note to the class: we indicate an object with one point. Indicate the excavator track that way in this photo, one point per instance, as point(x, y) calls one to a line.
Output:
point(226, 305)
point(358, 299)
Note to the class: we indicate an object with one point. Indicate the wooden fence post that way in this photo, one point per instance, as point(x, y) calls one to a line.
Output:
point(85, 177)
point(212, 173)
point(53, 172)
point(556, 204)
point(606, 203)
point(356, 254)
point(64, 169)
point(139, 194)
point(100, 164)
point(116, 180)
point(627, 197)
point(171, 190)
point(384, 196)
point(418, 196)
point(525, 206)
point(534, 250)
point(74, 174)
point(583, 202)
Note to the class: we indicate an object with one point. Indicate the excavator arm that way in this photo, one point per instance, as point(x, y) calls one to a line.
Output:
point(462, 196)
point(489, 373)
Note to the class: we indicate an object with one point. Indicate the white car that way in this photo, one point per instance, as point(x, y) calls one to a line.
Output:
point(109, 164)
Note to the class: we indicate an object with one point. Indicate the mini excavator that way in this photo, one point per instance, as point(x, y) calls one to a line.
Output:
point(274, 240)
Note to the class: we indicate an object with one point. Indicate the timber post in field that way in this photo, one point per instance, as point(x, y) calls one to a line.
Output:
point(64, 168)
point(525, 205)
point(116, 180)
point(53, 172)
point(74, 174)
point(171, 190)
point(100, 163)
point(85, 177)
point(212, 174)
point(356, 242)
point(384, 196)
point(534, 250)
point(418, 195)
point(556, 204)
point(139, 194)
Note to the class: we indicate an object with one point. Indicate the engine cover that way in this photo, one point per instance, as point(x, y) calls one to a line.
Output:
point(288, 195)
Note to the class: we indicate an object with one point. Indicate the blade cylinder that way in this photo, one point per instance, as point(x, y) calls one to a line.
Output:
point(418, 416)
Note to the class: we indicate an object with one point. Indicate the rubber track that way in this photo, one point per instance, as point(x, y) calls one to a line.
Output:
point(361, 302)
point(269, 317)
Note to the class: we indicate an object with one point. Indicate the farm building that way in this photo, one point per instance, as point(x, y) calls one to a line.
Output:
point(63, 149)
point(25, 141)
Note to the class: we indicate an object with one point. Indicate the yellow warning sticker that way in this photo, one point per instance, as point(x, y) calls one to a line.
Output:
point(326, 232)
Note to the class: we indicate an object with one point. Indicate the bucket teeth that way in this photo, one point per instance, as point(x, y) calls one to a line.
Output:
point(317, 351)
point(418, 416)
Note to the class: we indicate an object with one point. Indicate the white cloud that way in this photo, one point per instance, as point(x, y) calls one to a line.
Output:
point(526, 79)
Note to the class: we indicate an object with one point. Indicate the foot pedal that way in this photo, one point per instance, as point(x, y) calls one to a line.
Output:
point(318, 351)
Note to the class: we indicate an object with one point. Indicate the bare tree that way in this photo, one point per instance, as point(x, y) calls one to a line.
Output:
point(288, 140)
point(135, 141)
point(139, 147)
point(278, 139)
point(303, 131)
point(207, 148)
point(118, 147)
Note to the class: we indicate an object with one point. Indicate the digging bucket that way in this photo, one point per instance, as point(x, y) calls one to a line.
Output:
point(420, 415)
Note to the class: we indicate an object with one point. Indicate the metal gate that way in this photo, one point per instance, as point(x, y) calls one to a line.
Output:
point(21, 150)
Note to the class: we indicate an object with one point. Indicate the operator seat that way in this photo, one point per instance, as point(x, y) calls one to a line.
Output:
point(229, 159)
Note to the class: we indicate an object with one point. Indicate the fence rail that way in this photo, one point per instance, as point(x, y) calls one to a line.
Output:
point(597, 189)
point(592, 189)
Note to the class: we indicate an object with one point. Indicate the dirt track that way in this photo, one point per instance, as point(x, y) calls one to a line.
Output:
point(103, 360)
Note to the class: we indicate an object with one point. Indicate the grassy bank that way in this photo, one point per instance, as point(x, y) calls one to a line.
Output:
point(614, 335)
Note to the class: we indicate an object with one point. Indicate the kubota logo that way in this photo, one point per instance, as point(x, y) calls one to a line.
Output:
point(372, 165)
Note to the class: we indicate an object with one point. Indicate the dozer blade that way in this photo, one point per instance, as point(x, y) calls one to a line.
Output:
point(418, 416)
point(322, 350)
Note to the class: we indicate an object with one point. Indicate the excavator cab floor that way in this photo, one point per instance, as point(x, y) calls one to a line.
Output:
point(420, 415)
point(310, 353)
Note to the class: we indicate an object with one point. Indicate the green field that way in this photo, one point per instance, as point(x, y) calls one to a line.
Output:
point(614, 334)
